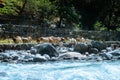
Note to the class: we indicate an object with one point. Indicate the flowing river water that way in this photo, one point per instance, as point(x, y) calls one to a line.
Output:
point(61, 70)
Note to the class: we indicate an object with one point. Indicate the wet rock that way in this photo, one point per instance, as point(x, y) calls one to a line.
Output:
point(25, 58)
point(115, 52)
point(81, 47)
point(45, 48)
point(103, 51)
point(69, 45)
point(17, 47)
point(5, 56)
point(118, 57)
point(47, 56)
point(33, 51)
point(1, 50)
point(5, 60)
point(62, 49)
point(1, 57)
point(28, 56)
point(53, 59)
point(15, 58)
point(99, 59)
point(13, 55)
point(7, 47)
point(39, 58)
point(24, 46)
point(98, 45)
point(109, 48)
point(12, 46)
point(106, 56)
point(71, 55)
point(94, 57)
point(94, 50)
point(3, 74)
point(29, 46)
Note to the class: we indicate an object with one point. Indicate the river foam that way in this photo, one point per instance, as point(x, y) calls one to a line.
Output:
point(64, 70)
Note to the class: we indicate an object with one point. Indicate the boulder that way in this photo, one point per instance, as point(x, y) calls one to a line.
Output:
point(45, 48)
point(98, 45)
point(81, 47)
point(71, 55)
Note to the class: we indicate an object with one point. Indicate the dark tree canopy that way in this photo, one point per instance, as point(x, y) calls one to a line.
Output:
point(82, 13)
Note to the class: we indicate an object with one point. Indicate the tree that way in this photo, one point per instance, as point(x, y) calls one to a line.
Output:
point(105, 11)
point(66, 12)
point(89, 11)
point(110, 15)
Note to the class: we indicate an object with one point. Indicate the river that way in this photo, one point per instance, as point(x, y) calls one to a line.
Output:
point(61, 70)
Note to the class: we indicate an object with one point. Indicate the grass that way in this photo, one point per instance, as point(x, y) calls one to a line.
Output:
point(9, 41)
point(6, 41)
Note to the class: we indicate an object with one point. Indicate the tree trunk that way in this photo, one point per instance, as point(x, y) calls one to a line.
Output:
point(23, 7)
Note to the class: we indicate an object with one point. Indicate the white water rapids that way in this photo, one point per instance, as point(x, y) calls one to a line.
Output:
point(63, 70)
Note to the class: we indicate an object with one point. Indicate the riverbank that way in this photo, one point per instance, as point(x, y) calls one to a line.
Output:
point(27, 46)
point(25, 53)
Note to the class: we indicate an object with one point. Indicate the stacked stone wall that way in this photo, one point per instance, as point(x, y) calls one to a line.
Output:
point(38, 31)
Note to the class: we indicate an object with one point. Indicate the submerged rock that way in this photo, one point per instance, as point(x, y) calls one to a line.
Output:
point(3, 74)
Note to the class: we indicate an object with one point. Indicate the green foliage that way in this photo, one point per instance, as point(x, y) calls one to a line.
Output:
point(99, 26)
point(9, 8)
point(39, 9)
point(118, 29)
point(86, 14)
point(66, 11)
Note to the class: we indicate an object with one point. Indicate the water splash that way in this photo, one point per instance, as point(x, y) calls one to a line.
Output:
point(67, 70)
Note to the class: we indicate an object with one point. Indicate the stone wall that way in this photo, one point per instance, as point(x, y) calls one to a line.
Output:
point(37, 31)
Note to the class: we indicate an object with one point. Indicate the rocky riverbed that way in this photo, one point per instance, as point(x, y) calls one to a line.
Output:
point(95, 51)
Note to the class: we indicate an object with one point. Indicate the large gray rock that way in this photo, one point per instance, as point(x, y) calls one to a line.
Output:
point(45, 48)
point(71, 55)
point(98, 45)
point(81, 47)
